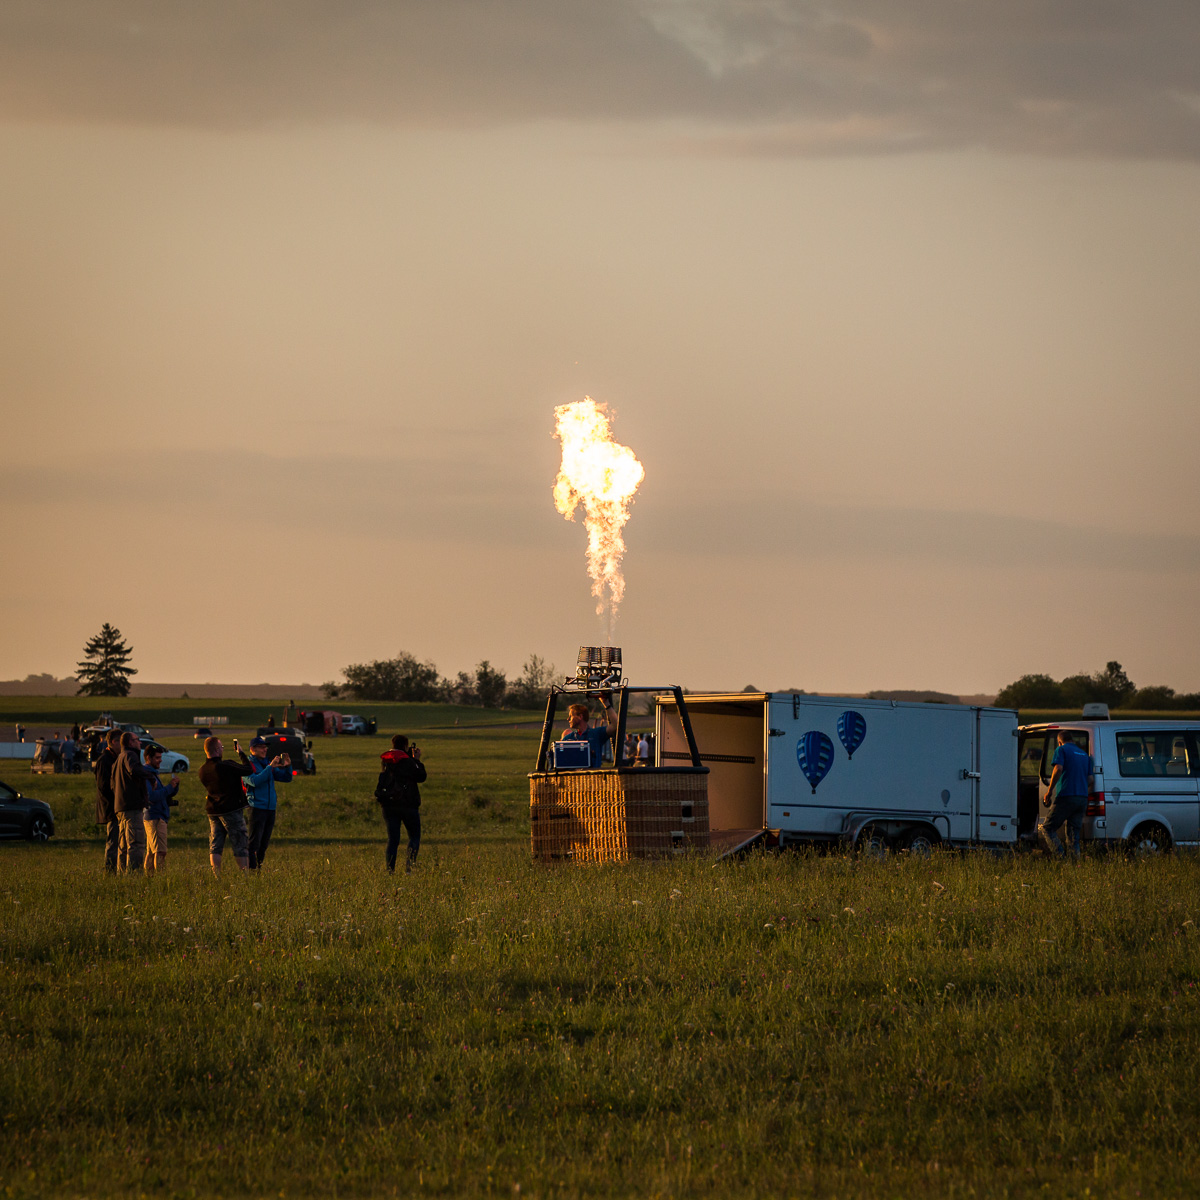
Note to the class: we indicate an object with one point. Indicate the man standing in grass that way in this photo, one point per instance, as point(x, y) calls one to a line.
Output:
point(106, 816)
point(260, 792)
point(1072, 766)
point(159, 797)
point(129, 800)
point(400, 798)
point(226, 799)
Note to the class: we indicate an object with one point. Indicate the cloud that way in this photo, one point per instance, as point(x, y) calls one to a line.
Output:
point(748, 76)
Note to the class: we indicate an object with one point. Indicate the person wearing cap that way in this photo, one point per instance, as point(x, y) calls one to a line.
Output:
point(262, 798)
point(598, 737)
point(160, 797)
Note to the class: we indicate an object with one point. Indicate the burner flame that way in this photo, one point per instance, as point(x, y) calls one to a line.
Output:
point(602, 476)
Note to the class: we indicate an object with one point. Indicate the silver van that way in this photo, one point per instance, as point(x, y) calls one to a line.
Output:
point(1145, 790)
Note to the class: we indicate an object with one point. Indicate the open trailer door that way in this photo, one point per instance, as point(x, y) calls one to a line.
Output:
point(731, 733)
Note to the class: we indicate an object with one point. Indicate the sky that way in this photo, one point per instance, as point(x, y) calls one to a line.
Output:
point(896, 303)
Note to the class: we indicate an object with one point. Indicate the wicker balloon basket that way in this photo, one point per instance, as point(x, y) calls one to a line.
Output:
point(616, 815)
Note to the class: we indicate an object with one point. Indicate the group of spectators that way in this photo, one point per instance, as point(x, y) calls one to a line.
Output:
point(133, 805)
point(57, 751)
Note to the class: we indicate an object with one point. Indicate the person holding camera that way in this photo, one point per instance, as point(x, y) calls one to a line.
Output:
point(262, 797)
point(160, 798)
point(226, 799)
point(400, 798)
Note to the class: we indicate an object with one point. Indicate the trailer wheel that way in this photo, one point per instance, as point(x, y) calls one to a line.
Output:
point(920, 843)
point(872, 843)
point(1148, 841)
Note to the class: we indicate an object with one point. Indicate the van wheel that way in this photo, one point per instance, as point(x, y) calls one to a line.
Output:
point(1148, 841)
point(872, 843)
point(920, 843)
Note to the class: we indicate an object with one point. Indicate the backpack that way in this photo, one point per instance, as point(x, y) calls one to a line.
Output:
point(391, 789)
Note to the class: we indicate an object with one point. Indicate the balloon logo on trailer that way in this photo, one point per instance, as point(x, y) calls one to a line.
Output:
point(852, 728)
point(814, 752)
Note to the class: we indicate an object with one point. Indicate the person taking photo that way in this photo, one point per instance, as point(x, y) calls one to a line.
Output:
point(400, 798)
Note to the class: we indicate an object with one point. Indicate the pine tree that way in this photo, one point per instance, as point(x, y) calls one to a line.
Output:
point(103, 671)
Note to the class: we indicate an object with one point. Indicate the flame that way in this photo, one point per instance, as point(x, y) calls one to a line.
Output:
point(601, 475)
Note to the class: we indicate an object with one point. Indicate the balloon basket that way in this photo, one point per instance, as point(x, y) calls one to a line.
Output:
point(616, 815)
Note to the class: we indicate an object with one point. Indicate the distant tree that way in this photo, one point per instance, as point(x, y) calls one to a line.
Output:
point(401, 678)
point(531, 689)
point(1113, 686)
point(332, 690)
point(749, 688)
point(1155, 698)
point(104, 670)
point(461, 689)
point(1031, 691)
point(490, 685)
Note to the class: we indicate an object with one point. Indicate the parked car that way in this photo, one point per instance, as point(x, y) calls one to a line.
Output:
point(173, 763)
point(353, 724)
point(289, 741)
point(1144, 793)
point(23, 816)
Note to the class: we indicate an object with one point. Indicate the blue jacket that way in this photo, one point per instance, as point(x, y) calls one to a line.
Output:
point(260, 784)
point(158, 807)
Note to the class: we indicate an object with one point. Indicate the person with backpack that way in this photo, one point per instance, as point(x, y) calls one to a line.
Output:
point(400, 798)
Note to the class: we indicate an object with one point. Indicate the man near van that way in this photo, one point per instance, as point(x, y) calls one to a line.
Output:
point(1072, 766)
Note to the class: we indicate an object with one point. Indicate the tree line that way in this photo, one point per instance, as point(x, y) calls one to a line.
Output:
point(408, 679)
point(1110, 686)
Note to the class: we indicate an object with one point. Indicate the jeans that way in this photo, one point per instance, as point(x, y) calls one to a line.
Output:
point(131, 843)
point(231, 825)
point(112, 837)
point(1070, 809)
point(261, 821)
point(394, 818)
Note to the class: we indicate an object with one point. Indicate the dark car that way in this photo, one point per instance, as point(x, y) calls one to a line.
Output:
point(288, 741)
point(23, 816)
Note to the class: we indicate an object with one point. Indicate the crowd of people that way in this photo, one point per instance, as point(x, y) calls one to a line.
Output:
point(133, 804)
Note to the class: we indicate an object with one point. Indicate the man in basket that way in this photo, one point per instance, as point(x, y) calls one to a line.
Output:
point(578, 729)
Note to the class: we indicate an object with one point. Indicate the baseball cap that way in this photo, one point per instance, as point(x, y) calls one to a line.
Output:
point(255, 742)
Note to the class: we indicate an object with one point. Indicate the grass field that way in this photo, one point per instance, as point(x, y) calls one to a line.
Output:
point(789, 1025)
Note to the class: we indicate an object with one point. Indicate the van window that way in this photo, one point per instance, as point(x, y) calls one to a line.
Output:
point(1153, 753)
point(1078, 736)
point(1032, 748)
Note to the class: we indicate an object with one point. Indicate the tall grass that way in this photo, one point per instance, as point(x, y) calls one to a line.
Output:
point(793, 1024)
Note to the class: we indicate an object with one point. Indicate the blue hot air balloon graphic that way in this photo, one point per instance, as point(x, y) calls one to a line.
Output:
point(852, 728)
point(814, 753)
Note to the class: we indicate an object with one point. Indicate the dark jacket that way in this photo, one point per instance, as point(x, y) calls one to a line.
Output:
point(158, 799)
point(222, 781)
point(129, 782)
point(104, 786)
point(397, 786)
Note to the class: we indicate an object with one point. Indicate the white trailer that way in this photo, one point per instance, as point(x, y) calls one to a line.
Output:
point(795, 768)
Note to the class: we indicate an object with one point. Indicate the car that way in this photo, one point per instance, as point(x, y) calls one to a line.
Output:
point(173, 763)
point(23, 816)
point(289, 741)
point(353, 724)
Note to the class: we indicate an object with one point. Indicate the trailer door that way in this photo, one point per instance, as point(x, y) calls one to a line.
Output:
point(996, 765)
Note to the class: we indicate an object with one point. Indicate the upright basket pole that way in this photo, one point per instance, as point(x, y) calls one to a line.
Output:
point(686, 722)
point(547, 728)
point(622, 716)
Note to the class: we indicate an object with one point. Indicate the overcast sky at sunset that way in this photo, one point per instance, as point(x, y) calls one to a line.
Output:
point(896, 302)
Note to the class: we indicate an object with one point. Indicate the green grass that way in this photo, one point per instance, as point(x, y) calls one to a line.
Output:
point(795, 1024)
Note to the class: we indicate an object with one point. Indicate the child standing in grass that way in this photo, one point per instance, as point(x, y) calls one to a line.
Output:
point(156, 814)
